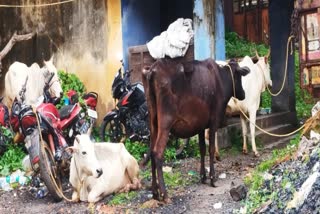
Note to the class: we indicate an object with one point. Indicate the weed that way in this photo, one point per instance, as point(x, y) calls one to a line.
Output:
point(11, 160)
point(136, 149)
point(123, 198)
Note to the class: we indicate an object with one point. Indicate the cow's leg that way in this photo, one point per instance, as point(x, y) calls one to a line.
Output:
point(153, 138)
point(211, 154)
point(252, 115)
point(155, 186)
point(216, 153)
point(202, 147)
point(157, 153)
point(97, 191)
point(133, 174)
point(244, 134)
point(75, 196)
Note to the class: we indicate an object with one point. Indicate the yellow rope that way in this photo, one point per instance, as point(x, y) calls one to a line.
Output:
point(234, 90)
point(36, 5)
point(264, 131)
point(286, 68)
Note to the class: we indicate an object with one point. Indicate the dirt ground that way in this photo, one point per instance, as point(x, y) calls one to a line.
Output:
point(194, 198)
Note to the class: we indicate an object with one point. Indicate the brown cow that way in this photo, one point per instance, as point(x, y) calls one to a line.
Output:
point(185, 99)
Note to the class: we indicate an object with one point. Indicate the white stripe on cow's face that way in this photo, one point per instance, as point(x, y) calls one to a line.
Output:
point(86, 159)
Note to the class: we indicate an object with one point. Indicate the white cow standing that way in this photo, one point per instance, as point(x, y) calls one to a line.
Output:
point(99, 169)
point(37, 77)
point(253, 84)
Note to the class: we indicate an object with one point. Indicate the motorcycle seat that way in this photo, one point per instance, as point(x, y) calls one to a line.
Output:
point(66, 111)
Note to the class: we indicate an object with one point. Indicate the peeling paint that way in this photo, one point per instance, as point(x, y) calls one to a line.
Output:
point(203, 22)
point(208, 23)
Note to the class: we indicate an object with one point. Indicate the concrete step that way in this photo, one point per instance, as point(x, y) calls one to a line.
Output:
point(277, 123)
point(265, 121)
point(281, 143)
point(279, 129)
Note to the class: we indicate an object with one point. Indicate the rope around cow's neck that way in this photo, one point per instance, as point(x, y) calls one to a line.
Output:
point(233, 83)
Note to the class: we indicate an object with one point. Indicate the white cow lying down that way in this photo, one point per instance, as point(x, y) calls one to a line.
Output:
point(99, 169)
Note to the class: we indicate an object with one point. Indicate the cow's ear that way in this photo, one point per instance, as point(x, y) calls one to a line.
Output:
point(180, 68)
point(255, 59)
point(77, 139)
point(146, 71)
point(71, 149)
point(243, 70)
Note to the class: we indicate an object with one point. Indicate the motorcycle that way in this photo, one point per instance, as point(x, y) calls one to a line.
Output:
point(129, 118)
point(4, 124)
point(43, 129)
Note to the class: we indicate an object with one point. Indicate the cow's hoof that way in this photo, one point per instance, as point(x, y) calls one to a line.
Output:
point(91, 207)
point(167, 201)
point(203, 179)
point(245, 152)
point(256, 154)
point(212, 181)
point(155, 196)
point(218, 158)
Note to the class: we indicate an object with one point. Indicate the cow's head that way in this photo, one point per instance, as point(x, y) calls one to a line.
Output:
point(55, 86)
point(263, 65)
point(85, 157)
point(238, 72)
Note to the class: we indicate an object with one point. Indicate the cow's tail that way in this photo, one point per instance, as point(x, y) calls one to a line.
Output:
point(149, 88)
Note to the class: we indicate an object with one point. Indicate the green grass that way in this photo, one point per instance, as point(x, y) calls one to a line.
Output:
point(123, 198)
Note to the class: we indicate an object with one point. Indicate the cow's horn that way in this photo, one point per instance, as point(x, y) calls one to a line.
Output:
point(89, 131)
point(77, 139)
point(257, 55)
point(268, 54)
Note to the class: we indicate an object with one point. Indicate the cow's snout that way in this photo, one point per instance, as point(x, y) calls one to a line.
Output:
point(99, 172)
point(241, 95)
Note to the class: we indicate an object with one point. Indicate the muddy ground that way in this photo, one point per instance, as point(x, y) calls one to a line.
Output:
point(193, 198)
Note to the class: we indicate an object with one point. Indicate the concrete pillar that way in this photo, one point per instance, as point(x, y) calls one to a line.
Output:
point(279, 19)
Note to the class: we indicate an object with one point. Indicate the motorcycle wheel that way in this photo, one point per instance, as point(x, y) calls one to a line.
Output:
point(112, 130)
point(49, 172)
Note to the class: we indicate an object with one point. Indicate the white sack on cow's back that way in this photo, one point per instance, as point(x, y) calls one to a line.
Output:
point(174, 42)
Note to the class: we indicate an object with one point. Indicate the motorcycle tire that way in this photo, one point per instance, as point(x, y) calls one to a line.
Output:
point(112, 130)
point(48, 172)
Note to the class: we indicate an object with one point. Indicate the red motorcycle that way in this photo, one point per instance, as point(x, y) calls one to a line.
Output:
point(4, 124)
point(44, 128)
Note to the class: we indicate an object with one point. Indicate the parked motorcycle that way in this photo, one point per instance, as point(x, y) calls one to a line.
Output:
point(4, 124)
point(44, 129)
point(130, 116)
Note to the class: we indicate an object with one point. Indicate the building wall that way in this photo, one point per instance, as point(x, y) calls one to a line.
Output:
point(140, 23)
point(84, 36)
